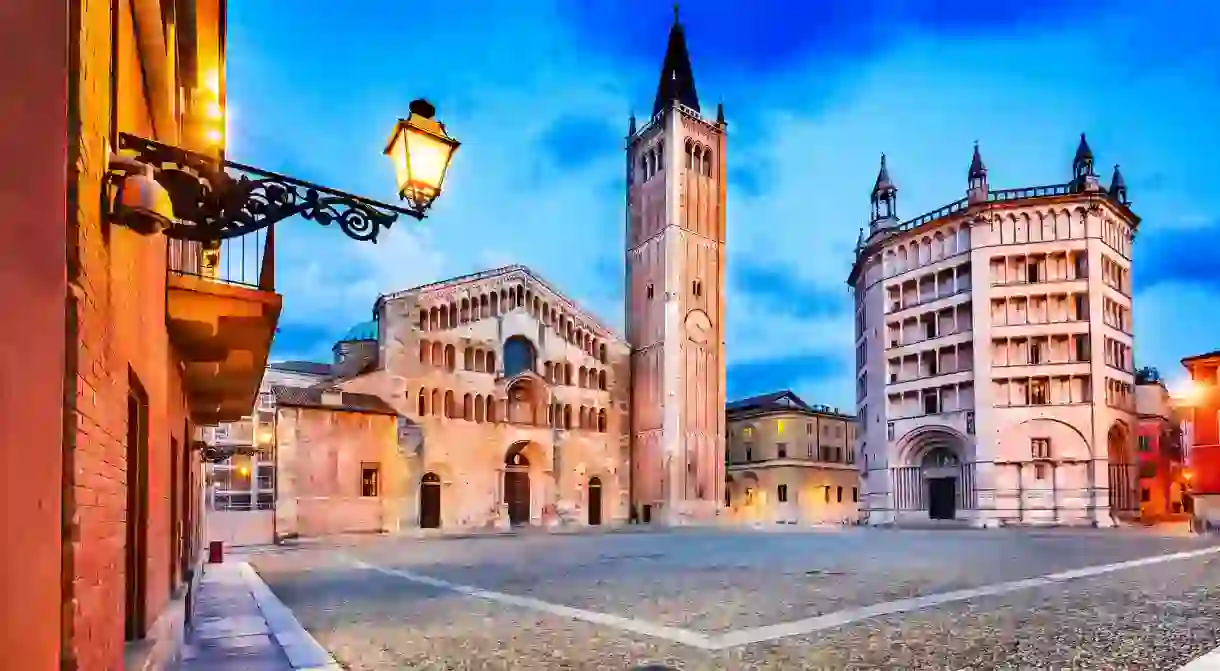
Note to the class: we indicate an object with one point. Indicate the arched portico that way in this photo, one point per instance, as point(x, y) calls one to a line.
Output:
point(934, 476)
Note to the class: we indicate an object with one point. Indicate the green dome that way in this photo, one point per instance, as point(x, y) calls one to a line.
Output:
point(362, 331)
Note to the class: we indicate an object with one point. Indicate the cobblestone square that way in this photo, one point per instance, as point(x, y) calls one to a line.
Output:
point(857, 598)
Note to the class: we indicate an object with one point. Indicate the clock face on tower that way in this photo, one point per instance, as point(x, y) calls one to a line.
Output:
point(698, 327)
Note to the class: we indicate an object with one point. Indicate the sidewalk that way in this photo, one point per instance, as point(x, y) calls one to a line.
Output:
point(239, 625)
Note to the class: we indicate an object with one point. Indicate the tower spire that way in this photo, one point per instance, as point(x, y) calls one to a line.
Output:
point(677, 79)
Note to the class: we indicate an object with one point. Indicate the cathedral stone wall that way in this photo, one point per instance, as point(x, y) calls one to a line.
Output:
point(498, 373)
point(323, 456)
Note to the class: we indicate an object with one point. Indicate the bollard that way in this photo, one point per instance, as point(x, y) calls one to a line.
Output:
point(216, 552)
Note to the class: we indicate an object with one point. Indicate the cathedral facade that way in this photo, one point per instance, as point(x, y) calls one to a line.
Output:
point(518, 407)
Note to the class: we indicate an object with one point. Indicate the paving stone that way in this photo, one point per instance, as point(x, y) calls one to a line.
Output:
point(1153, 617)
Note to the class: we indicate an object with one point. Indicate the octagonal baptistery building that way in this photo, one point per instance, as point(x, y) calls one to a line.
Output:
point(994, 373)
point(512, 398)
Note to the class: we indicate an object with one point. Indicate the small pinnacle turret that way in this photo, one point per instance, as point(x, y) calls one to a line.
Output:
point(976, 192)
point(977, 168)
point(1118, 186)
point(720, 113)
point(1083, 177)
point(885, 196)
point(631, 126)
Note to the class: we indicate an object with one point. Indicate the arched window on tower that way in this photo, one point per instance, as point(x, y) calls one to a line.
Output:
point(519, 354)
point(690, 155)
point(707, 163)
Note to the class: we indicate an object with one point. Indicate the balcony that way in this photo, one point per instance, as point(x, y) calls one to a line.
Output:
point(221, 314)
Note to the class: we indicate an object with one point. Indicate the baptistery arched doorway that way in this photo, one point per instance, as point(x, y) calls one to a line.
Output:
point(940, 471)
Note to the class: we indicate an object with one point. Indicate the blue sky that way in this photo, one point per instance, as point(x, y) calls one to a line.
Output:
point(540, 92)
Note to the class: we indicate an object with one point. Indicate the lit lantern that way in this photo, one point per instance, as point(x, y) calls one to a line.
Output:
point(420, 150)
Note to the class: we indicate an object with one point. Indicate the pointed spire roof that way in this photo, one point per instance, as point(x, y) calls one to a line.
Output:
point(977, 169)
point(1083, 151)
point(720, 113)
point(677, 79)
point(631, 126)
point(883, 180)
point(1117, 182)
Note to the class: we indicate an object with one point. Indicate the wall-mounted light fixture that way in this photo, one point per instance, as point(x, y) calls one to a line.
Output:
point(207, 199)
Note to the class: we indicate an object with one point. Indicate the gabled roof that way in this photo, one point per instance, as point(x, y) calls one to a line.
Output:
point(505, 271)
point(784, 400)
point(313, 397)
point(305, 367)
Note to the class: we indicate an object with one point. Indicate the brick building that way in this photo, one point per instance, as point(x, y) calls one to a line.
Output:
point(1203, 457)
point(133, 334)
point(1158, 448)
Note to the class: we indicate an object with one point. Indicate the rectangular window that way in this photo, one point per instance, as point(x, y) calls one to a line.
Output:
point(809, 428)
point(782, 494)
point(855, 495)
point(1144, 444)
point(1039, 471)
point(781, 450)
point(749, 452)
point(1037, 392)
point(1035, 353)
point(809, 450)
point(369, 479)
point(1040, 448)
point(1031, 271)
point(779, 427)
point(747, 432)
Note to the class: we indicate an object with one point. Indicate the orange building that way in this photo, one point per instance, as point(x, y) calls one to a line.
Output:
point(128, 341)
point(1158, 449)
point(1203, 457)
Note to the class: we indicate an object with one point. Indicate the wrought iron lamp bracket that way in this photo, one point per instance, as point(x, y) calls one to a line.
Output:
point(216, 200)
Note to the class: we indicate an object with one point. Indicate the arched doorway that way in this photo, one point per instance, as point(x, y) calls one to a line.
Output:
point(517, 485)
point(430, 501)
point(1124, 475)
point(940, 469)
point(595, 501)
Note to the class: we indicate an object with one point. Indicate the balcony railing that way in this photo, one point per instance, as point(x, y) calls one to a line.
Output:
point(247, 260)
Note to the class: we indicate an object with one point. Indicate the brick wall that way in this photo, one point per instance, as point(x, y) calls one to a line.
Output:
point(318, 460)
point(121, 315)
point(33, 139)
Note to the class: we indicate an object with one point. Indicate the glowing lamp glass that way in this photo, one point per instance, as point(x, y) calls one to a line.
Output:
point(420, 151)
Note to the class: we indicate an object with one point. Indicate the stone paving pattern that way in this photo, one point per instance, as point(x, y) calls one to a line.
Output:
point(1154, 617)
point(229, 632)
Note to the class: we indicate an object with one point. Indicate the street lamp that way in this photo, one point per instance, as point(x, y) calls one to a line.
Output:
point(421, 151)
point(192, 196)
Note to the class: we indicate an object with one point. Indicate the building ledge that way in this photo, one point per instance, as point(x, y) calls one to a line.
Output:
point(223, 333)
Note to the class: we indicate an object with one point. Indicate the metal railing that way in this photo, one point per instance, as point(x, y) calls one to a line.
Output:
point(247, 260)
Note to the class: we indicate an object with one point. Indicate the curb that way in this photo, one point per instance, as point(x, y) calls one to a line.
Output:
point(302, 649)
point(1209, 661)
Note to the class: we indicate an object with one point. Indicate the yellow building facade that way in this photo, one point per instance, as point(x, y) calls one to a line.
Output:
point(789, 462)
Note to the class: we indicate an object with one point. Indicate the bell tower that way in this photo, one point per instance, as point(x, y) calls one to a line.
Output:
point(675, 299)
